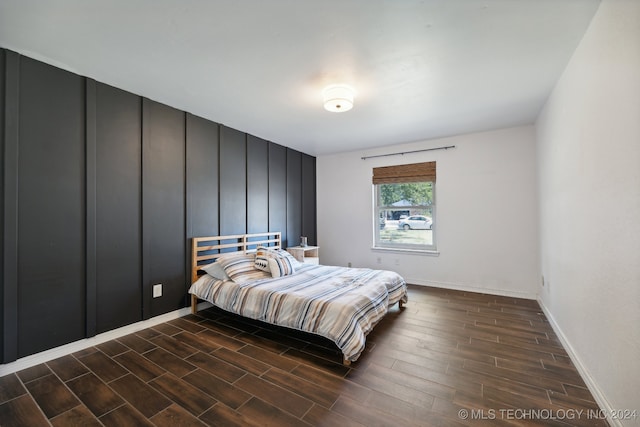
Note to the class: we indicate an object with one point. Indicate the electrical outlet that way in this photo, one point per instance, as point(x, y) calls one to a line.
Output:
point(349, 264)
point(157, 290)
point(379, 260)
point(397, 261)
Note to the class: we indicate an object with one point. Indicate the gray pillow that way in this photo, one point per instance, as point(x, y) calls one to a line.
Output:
point(215, 269)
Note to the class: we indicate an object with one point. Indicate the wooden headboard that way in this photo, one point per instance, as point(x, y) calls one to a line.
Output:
point(205, 250)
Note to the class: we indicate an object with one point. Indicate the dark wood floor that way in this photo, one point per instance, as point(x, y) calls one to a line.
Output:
point(449, 358)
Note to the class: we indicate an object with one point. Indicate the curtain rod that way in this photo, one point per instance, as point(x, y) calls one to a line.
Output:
point(408, 152)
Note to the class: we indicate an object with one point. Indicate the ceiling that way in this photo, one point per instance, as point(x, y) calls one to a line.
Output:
point(421, 69)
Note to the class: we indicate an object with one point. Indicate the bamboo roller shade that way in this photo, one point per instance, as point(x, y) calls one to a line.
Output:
point(414, 172)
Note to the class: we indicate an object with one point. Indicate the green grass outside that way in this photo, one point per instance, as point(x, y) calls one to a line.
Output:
point(411, 237)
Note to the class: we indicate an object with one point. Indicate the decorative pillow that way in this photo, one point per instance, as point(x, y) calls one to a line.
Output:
point(263, 253)
point(280, 266)
point(242, 268)
point(276, 261)
point(215, 269)
point(262, 258)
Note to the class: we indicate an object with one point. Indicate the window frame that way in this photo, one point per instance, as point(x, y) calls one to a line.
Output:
point(404, 174)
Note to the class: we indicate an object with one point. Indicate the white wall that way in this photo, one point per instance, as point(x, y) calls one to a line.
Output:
point(589, 183)
point(486, 220)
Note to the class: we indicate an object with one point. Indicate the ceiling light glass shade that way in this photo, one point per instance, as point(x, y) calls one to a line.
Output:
point(338, 98)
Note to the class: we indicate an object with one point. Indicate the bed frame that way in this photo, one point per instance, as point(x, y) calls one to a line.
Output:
point(205, 250)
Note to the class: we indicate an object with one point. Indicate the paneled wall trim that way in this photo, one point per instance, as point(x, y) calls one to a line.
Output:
point(101, 190)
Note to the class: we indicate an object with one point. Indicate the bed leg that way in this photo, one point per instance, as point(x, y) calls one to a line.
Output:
point(400, 304)
point(346, 362)
point(194, 304)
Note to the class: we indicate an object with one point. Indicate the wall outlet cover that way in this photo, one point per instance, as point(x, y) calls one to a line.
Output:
point(157, 290)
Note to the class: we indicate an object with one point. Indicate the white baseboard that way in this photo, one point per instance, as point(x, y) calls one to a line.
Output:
point(472, 288)
point(600, 398)
point(54, 353)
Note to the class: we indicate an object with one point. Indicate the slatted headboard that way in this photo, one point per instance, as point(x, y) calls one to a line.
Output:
point(205, 250)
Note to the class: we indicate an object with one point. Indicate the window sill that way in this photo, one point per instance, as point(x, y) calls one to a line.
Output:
point(408, 251)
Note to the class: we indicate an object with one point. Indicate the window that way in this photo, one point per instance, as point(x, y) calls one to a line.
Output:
point(405, 206)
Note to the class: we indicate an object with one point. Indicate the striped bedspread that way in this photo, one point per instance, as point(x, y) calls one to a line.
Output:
point(342, 304)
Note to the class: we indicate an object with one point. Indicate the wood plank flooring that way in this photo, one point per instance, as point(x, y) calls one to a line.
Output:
point(449, 358)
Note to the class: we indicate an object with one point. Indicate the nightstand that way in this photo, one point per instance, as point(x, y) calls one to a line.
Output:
point(306, 254)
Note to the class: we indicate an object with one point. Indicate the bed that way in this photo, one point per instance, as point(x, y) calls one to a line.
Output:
point(251, 275)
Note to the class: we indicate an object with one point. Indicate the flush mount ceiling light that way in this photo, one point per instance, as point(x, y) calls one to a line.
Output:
point(338, 98)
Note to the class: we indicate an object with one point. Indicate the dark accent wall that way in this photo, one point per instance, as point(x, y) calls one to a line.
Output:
point(233, 182)
point(163, 207)
point(202, 177)
point(101, 191)
point(2, 172)
point(51, 207)
point(257, 185)
point(118, 207)
point(278, 191)
point(294, 196)
point(309, 198)
point(10, 207)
